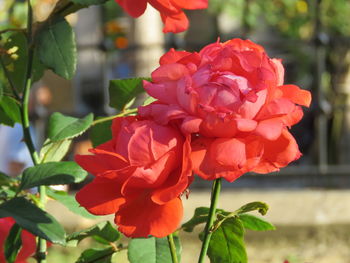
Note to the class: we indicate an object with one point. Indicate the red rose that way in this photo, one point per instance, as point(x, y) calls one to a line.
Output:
point(139, 175)
point(173, 17)
point(28, 241)
point(231, 96)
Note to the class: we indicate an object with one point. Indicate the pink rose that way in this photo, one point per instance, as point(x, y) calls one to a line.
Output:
point(139, 176)
point(231, 97)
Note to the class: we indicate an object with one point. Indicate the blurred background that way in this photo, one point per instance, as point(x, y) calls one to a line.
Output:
point(310, 200)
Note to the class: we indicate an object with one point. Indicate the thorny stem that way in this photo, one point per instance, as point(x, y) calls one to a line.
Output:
point(172, 248)
point(212, 211)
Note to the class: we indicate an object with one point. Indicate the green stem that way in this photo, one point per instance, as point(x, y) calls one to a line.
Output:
point(123, 113)
point(41, 249)
point(172, 248)
point(211, 217)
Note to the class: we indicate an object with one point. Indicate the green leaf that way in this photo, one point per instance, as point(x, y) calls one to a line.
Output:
point(65, 7)
point(100, 133)
point(33, 219)
point(122, 91)
point(16, 62)
point(104, 230)
point(227, 243)
point(152, 250)
point(5, 119)
point(260, 206)
point(69, 202)
point(52, 174)
point(13, 243)
point(65, 127)
point(56, 47)
point(5, 179)
point(148, 101)
point(200, 216)
point(10, 108)
point(255, 223)
point(54, 151)
point(94, 255)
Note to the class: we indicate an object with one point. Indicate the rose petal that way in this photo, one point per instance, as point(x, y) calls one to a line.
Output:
point(246, 125)
point(228, 152)
point(100, 197)
point(278, 153)
point(178, 180)
point(269, 129)
point(141, 217)
point(135, 8)
point(175, 23)
point(191, 125)
point(172, 56)
point(296, 95)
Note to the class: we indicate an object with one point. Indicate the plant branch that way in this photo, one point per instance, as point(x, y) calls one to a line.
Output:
point(108, 118)
point(41, 251)
point(172, 248)
point(212, 212)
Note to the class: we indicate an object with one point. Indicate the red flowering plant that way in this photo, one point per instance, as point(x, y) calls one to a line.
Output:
point(231, 96)
point(139, 176)
point(217, 113)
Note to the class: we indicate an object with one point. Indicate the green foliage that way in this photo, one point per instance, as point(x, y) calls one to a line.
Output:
point(227, 240)
point(13, 243)
point(52, 174)
point(227, 243)
point(9, 111)
point(66, 7)
point(56, 47)
point(200, 216)
point(65, 127)
point(94, 255)
point(54, 151)
point(33, 219)
point(4, 179)
point(255, 223)
point(335, 16)
point(259, 206)
point(69, 202)
point(122, 91)
point(103, 232)
point(16, 61)
point(8, 186)
point(152, 250)
point(100, 133)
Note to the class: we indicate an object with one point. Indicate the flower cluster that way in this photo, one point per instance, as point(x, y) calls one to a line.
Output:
point(219, 113)
point(28, 241)
point(171, 11)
